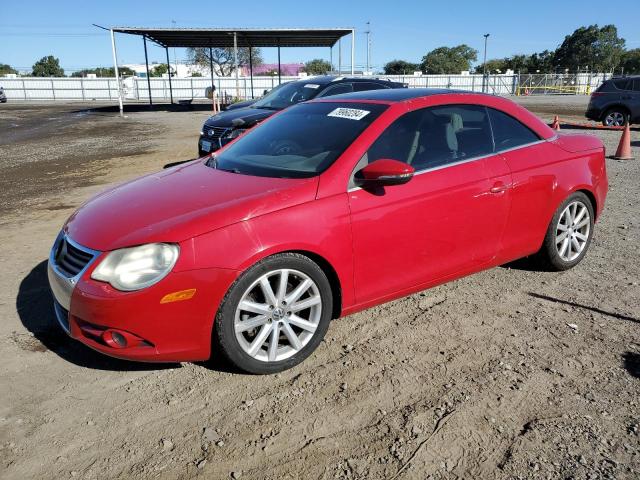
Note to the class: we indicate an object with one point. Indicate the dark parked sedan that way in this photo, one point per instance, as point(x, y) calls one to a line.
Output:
point(616, 102)
point(220, 129)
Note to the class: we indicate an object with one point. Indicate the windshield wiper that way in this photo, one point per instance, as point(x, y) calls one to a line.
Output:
point(231, 170)
point(213, 163)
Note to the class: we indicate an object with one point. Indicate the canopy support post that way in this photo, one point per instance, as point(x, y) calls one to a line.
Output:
point(353, 50)
point(166, 49)
point(331, 57)
point(251, 69)
point(115, 66)
point(146, 62)
point(213, 87)
point(340, 56)
point(235, 59)
point(279, 74)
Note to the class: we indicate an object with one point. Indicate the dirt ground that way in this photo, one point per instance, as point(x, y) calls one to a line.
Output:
point(508, 374)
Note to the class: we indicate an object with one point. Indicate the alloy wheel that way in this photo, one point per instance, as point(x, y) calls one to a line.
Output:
point(278, 315)
point(615, 119)
point(572, 231)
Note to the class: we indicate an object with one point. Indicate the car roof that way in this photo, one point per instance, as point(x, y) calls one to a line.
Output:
point(393, 94)
point(626, 77)
point(327, 79)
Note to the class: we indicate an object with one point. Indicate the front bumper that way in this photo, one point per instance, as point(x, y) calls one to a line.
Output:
point(207, 145)
point(91, 311)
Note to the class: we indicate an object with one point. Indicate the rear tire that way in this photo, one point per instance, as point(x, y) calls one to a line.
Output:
point(275, 315)
point(615, 117)
point(569, 234)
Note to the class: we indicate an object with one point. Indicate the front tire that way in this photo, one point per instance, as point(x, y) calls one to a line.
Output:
point(275, 315)
point(615, 117)
point(569, 234)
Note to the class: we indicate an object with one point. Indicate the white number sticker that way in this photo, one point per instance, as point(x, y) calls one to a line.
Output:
point(349, 113)
point(312, 85)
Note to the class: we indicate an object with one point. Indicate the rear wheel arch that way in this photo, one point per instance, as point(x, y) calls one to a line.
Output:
point(592, 198)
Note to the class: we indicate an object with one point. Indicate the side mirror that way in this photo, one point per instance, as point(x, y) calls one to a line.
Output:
point(384, 172)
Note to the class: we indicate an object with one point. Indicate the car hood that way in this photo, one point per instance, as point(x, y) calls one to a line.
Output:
point(180, 203)
point(230, 118)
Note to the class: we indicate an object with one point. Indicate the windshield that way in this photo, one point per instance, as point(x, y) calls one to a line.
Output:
point(288, 94)
point(301, 142)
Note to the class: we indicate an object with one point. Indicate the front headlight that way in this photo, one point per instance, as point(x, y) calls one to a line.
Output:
point(235, 133)
point(136, 268)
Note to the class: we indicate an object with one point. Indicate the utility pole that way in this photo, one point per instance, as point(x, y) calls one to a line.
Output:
point(484, 63)
point(368, 32)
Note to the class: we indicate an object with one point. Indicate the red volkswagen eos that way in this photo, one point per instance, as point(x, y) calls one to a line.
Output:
point(325, 209)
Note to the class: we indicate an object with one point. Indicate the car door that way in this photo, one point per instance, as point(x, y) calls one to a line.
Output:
point(528, 158)
point(447, 219)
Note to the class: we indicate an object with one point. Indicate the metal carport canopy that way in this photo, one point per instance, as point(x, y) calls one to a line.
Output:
point(232, 38)
point(246, 37)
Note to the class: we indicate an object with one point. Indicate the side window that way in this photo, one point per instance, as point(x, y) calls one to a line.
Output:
point(337, 89)
point(623, 84)
point(363, 86)
point(435, 136)
point(509, 132)
point(636, 85)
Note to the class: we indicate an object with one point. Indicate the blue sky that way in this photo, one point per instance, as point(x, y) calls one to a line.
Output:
point(404, 29)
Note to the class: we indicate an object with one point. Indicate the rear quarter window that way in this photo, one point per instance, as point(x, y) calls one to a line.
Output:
point(363, 86)
point(509, 132)
point(623, 84)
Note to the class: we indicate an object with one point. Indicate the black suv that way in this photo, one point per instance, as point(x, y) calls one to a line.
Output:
point(233, 122)
point(616, 102)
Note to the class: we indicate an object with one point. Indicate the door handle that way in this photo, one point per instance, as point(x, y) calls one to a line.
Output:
point(498, 187)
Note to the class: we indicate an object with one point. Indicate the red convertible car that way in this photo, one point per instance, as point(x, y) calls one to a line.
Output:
point(327, 208)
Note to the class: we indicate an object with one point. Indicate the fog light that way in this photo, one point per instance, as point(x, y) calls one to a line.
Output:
point(115, 339)
point(119, 339)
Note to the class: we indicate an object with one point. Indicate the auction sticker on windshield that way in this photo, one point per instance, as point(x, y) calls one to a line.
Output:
point(349, 113)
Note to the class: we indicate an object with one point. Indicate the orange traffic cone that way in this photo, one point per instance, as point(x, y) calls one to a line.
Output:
point(556, 123)
point(624, 147)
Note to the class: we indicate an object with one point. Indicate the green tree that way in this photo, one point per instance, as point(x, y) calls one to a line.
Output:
point(631, 61)
point(47, 67)
point(196, 74)
point(517, 63)
point(400, 67)
point(223, 58)
point(317, 66)
point(600, 49)
point(449, 59)
point(542, 62)
point(6, 69)
point(101, 72)
point(493, 65)
point(160, 70)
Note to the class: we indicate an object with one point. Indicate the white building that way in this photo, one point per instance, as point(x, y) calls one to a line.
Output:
point(182, 70)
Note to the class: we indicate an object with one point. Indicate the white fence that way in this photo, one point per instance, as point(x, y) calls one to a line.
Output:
point(136, 89)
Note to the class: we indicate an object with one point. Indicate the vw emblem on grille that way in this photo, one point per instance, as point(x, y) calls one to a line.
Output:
point(211, 132)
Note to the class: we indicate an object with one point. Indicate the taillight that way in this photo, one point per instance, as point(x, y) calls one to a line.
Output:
point(597, 94)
